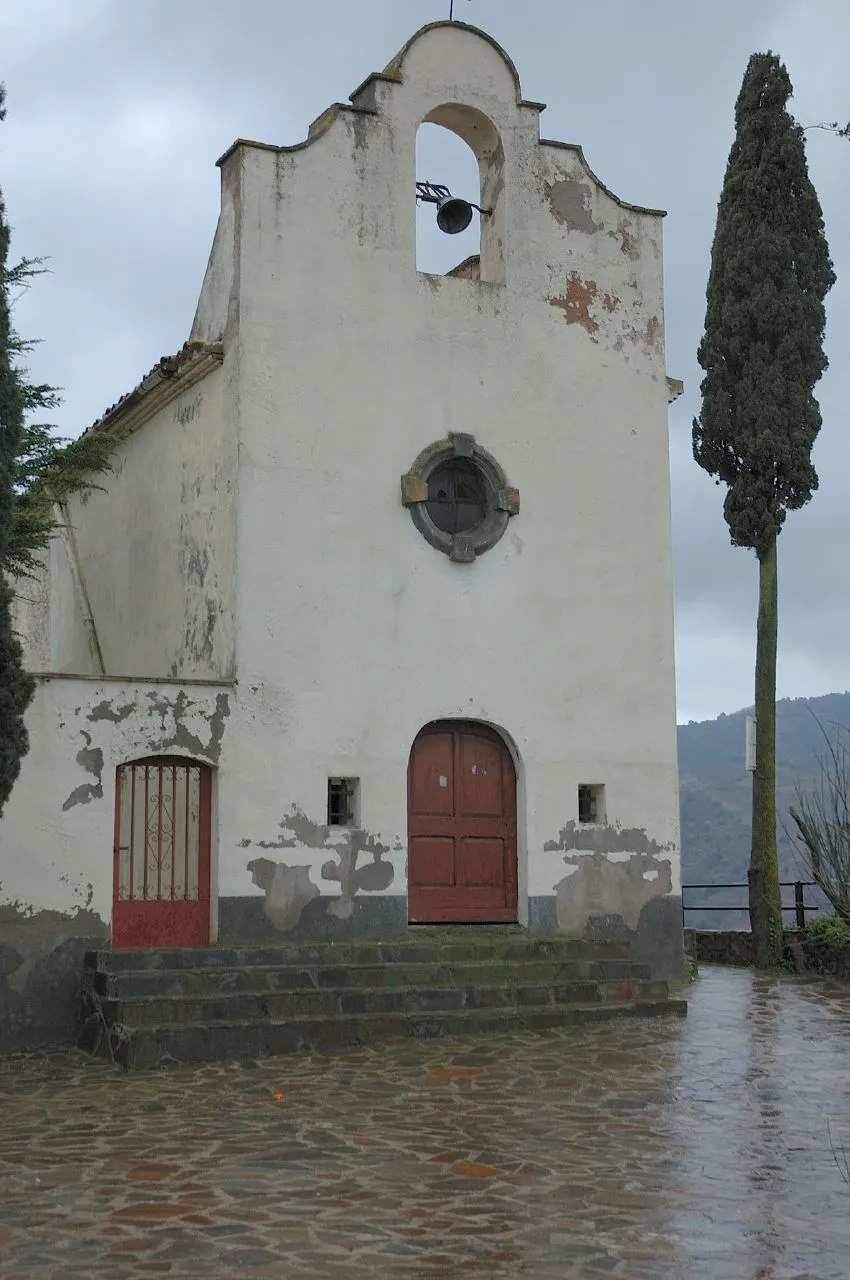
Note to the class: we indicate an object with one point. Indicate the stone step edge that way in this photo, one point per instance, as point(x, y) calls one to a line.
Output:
point(675, 1007)
point(219, 996)
point(307, 965)
point(453, 982)
point(531, 943)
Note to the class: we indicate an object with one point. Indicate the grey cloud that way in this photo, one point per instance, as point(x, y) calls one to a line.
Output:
point(118, 112)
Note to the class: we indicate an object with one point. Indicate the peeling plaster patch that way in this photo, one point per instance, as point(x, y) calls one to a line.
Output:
point(199, 631)
point(374, 876)
point(105, 711)
point(194, 561)
point(91, 759)
point(610, 302)
point(652, 336)
point(494, 181)
point(346, 844)
point(606, 839)
point(570, 201)
point(287, 889)
point(185, 412)
point(604, 888)
point(282, 170)
point(174, 732)
point(628, 242)
point(576, 300)
point(28, 937)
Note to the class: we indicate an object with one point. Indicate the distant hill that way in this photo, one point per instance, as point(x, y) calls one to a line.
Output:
point(715, 795)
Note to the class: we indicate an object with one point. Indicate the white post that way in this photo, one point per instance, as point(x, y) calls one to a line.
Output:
point(750, 748)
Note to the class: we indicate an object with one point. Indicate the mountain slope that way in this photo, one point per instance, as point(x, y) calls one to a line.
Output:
point(715, 794)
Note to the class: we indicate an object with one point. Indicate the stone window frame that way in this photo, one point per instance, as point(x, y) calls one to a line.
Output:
point(502, 500)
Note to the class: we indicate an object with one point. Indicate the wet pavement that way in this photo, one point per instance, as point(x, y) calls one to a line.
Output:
point(700, 1148)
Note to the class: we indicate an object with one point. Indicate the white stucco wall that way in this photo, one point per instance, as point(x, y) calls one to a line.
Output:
point(56, 836)
point(155, 546)
point(345, 631)
point(352, 628)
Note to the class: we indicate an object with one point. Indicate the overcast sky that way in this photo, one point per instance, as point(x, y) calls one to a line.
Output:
point(118, 109)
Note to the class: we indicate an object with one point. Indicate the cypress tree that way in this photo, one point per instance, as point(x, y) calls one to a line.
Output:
point(16, 686)
point(762, 353)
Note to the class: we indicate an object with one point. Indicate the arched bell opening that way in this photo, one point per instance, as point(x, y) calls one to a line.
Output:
point(460, 221)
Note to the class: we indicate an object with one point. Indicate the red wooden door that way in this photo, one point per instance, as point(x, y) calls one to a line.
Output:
point(161, 865)
point(462, 858)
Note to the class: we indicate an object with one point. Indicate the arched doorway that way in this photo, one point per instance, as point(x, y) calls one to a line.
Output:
point(161, 868)
point(462, 826)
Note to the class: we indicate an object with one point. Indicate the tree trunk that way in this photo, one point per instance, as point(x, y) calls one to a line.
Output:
point(765, 894)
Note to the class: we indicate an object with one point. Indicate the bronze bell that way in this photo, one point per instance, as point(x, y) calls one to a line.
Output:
point(453, 215)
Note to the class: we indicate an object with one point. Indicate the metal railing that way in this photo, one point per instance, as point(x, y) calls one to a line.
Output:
point(799, 907)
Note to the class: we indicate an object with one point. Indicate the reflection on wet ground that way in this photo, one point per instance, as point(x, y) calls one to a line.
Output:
point(696, 1148)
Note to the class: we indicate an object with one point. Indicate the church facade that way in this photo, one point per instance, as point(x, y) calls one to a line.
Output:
point(371, 625)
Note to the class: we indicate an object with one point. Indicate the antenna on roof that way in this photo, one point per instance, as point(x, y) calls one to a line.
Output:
point(451, 10)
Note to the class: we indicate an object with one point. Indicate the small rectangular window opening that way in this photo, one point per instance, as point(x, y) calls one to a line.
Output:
point(343, 802)
point(591, 802)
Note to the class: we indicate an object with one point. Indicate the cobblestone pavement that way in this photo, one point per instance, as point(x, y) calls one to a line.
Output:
point(697, 1148)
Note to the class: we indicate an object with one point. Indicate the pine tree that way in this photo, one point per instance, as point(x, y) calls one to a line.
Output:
point(48, 468)
point(38, 471)
point(16, 686)
point(762, 352)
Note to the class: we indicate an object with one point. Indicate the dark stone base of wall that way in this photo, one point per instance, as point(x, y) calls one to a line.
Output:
point(46, 1010)
point(657, 941)
point(243, 920)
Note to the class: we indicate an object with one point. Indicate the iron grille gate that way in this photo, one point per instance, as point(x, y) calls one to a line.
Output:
point(161, 881)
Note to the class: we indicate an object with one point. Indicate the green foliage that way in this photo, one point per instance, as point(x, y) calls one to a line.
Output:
point(47, 469)
point(822, 819)
point(828, 933)
point(831, 126)
point(16, 687)
point(762, 350)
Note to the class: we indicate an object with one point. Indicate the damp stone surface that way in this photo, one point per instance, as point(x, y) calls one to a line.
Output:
point(709, 1147)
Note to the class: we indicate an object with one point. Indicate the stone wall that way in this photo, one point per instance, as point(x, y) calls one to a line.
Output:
point(720, 946)
point(735, 947)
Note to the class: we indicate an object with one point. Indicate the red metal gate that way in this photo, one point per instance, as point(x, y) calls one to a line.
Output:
point(161, 867)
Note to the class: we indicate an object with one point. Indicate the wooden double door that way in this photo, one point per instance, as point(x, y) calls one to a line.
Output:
point(462, 826)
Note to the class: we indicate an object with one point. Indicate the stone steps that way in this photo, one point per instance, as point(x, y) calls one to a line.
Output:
point(426, 949)
point(269, 978)
point(200, 1042)
point(147, 1011)
point(147, 1008)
